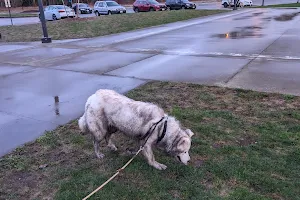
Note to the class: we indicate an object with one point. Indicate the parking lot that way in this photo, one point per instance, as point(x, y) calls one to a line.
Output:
point(129, 10)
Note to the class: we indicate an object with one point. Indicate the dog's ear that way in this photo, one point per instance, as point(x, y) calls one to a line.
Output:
point(189, 132)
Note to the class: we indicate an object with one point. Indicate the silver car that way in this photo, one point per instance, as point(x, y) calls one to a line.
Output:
point(108, 8)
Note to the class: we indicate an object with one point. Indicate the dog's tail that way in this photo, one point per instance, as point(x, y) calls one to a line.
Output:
point(82, 124)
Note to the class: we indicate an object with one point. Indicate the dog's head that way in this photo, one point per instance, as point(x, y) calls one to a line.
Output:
point(181, 147)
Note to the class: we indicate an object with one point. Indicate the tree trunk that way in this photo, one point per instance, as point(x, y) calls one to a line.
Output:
point(263, 3)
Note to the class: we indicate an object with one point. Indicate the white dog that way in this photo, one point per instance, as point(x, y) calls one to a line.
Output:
point(107, 112)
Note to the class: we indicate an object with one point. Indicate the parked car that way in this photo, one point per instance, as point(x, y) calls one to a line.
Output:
point(83, 8)
point(230, 3)
point(180, 4)
point(54, 12)
point(108, 8)
point(148, 5)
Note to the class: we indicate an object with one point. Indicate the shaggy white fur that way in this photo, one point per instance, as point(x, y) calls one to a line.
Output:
point(107, 112)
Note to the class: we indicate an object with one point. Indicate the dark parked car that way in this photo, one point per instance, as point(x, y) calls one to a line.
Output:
point(180, 4)
point(83, 8)
point(148, 5)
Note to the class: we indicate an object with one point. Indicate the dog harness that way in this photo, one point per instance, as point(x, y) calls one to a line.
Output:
point(153, 127)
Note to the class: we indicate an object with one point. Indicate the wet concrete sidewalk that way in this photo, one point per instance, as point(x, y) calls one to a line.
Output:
point(43, 86)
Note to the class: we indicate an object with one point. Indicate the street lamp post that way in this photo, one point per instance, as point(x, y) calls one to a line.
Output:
point(45, 39)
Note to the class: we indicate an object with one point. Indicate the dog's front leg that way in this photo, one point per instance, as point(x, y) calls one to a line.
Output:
point(148, 153)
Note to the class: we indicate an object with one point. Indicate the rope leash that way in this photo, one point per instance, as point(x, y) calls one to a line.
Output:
point(113, 176)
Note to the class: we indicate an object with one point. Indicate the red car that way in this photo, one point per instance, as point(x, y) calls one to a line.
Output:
point(148, 5)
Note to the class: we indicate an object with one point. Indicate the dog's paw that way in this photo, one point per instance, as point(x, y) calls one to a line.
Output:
point(163, 167)
point(100, 155)
point(160, 166)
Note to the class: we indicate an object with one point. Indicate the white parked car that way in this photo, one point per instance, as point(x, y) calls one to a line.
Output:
point(108, 8)
point(240, 3)
point(54, 12)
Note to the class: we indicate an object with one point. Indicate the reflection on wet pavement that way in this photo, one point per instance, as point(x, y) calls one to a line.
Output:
point(286, 17)
point(243, 18)
point(243, 32)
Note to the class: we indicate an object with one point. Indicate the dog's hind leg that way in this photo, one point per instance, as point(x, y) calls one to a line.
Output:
point(110, 144)
point(98, 131)
point(97, 148)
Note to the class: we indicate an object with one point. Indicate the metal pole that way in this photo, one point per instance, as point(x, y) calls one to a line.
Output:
point(77, 9)
point(10, 16)
point(234, 8)
point(46, 39)
point(63, 2)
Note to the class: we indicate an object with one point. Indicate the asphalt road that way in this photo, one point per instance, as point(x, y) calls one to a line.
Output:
point(45, 85)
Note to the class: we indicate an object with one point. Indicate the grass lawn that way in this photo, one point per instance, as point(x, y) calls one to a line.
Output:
point(98, 26)
point(16, 15)
point(246, 146)
point(288, 5)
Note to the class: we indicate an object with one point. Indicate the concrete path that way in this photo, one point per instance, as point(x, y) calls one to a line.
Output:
point(43, 86)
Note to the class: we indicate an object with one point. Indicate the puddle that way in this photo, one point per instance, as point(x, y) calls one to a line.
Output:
point(286, 17)
point(252, 27)
point(257, 13)
point(242, 32)
point(242, 18)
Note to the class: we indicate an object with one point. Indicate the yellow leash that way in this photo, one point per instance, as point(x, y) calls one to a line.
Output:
point(113, 176)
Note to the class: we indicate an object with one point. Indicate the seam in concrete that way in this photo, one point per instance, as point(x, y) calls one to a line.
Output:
point(132, 63)
point(23, 116)
point(69, 70)
point(132, 77)
point(24, 71)
point(35, 63)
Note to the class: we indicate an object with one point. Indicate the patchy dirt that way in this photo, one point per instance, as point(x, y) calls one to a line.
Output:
point(198, 163)
point(246, 141)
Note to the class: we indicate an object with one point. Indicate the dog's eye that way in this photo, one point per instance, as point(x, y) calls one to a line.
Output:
point(185, 152)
